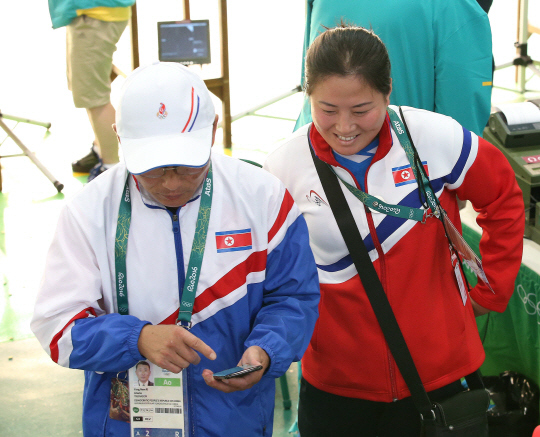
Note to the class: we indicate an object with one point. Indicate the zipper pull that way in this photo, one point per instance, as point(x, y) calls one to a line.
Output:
point(176, 224)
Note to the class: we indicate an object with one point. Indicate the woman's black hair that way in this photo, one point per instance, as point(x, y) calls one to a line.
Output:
point(348, 50)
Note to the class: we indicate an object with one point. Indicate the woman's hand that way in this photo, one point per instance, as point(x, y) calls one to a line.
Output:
point(477, 309)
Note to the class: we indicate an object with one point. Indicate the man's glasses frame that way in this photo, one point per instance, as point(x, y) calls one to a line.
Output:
point(157, 173)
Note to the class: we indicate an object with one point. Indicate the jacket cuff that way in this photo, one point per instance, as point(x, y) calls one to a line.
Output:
point(133, 340)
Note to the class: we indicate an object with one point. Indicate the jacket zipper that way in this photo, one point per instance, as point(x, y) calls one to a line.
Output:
point(181, 280)
point(382, 263)
point(190, 399)
point(179, 254)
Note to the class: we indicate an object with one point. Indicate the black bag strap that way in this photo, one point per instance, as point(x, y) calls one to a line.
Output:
point(373, 287)
point(374, 290)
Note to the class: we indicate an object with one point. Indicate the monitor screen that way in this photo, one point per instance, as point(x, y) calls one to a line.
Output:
point(187, 42)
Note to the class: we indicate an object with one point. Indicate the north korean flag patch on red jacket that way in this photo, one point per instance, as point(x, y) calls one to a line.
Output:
point(404, 175)
point(230, 241)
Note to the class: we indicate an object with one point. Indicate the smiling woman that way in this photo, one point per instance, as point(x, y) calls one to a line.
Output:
point(350, 379)
point(348, 112)
point(348, 89)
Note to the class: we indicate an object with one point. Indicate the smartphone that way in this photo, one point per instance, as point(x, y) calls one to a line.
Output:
point(237, 371)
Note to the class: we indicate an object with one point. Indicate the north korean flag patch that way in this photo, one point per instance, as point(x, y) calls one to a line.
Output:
point(404, 175)
point(231, 241)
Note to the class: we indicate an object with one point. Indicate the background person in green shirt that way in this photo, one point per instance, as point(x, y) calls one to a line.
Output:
point(440, 52)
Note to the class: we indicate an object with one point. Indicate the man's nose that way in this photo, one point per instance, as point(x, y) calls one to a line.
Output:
point(172, 180)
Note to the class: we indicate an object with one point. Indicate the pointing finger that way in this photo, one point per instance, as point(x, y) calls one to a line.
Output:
point(200, 346)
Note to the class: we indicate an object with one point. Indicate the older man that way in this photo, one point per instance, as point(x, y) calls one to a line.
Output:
point(192, 260)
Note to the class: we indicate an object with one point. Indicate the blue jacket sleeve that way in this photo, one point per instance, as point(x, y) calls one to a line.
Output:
point(106, 343)
point(284, 325)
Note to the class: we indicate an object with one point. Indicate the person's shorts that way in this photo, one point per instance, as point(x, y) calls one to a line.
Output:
point(90, 47)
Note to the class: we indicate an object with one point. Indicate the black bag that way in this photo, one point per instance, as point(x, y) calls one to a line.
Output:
point(462, 415)
point(515, 399)
point(464, 412)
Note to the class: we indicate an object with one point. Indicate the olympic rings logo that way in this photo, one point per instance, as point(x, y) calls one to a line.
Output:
point(532, 306)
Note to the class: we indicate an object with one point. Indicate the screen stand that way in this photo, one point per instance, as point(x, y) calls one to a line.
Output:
point(26, 151)
point(522, 61)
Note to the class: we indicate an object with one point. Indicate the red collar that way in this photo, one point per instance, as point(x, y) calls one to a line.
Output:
point(136, 181)
point(324, 151)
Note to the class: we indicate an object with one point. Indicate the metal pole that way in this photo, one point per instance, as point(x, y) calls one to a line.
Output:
point(32, 157)
point(26, 120)
point(265, 104)
point(523, 37)
point(225, 90)
point(187, 14)
point(134, 28)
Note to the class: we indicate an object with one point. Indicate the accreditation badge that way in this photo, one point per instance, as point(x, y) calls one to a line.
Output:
point(156, 401)
point(119, 406)
point(465, 252)
point(459, 278)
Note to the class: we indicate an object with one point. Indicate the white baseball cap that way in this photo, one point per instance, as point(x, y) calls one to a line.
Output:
point(164, 117)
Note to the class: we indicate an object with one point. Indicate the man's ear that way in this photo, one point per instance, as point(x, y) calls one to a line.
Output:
point(214, 129)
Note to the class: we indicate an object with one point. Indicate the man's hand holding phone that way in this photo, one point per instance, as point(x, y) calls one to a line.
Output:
point(238, 371)
point(253, 355)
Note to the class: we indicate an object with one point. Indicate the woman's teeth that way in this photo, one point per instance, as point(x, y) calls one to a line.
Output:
point(347, 138)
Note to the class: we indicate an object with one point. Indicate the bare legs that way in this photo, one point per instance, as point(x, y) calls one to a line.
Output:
point(101, 119)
